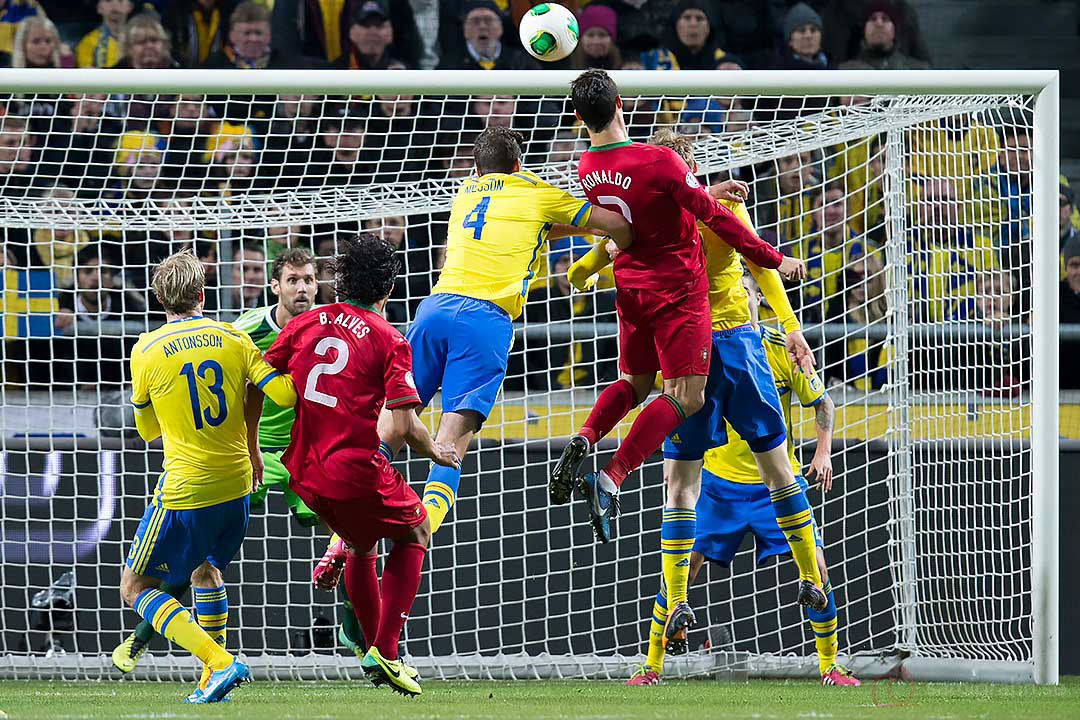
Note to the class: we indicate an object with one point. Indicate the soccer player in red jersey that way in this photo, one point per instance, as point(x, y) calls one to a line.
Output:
point(662, 292)
point(351, 363)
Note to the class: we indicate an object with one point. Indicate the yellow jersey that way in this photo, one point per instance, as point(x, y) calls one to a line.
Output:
point(191, 374)
point(98, 49)
point(735, 461)
point(727, 296)
point(497, 234)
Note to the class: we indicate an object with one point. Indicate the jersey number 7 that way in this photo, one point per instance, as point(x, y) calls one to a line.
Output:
point(475, 218)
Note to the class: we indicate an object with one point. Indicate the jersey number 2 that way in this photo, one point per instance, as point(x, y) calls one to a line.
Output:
point(199, 413)
point(475, 218)
point(330, 368)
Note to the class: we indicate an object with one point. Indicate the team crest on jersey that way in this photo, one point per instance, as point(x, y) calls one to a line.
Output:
point(691, 180)
point(409, 380)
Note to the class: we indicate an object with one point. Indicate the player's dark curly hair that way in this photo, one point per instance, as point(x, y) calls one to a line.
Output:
point(365, 269)
point(593, 94)
point(497, 150)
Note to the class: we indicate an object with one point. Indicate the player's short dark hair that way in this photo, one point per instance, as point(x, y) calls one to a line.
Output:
point(593, 93)
point(497, 150)
point(293, 257)
point(365, 269)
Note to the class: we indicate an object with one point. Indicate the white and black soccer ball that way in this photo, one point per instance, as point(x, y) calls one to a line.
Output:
point(549, 32)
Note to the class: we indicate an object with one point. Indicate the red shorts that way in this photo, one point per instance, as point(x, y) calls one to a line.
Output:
point(384, 508)
point(670, 332)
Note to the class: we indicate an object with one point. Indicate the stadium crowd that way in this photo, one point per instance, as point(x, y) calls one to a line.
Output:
point(969, 175)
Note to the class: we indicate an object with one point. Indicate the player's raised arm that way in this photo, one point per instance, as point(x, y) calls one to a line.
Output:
point(612, 224)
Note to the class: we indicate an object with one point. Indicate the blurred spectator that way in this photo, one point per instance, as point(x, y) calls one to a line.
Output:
point(17, 151)
point(187, 121)
point(596, 46)
point(640, 23)
point(1013, 173)
point(321, 30)
point(860, 166)
point(1066, 230)
point(290, 140)
point(845, 23)
point(827, 249)
point(643, 115)
point(250, 42)
point(566, 148)
point(38, 45)
point(555, 364)
point(407, 130)
point(708, 115)
point(137, 166)
point(879, 48)
point(56, 248)
point(340, 157)
point(248, 286)
point(198, 28)
point(483, 48)
point(781, 202)
point(13, 12)
point(426, 17)
point(751, 28)
point(857, 360)
point(802, 28)
point(79, 150)
point(370, 36)
point(691, 40)
point(231, 161)
point(415, 280)
point(103, 46)
point(95, 295)
point(1070, 286)
point(146, 44)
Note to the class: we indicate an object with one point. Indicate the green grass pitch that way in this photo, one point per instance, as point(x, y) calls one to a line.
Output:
point(524, 700)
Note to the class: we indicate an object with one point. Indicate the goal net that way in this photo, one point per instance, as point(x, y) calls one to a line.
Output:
point(915, 210)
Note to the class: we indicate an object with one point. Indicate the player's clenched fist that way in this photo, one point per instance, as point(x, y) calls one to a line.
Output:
point(792, 268)
point(734, 190)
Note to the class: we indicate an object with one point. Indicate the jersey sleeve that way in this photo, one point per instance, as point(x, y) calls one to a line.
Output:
point(140, 387)
point(562, 208)
point(277, 385)
point(808, 388)
point(687, 192)
point(397, 375)
point(277, 355)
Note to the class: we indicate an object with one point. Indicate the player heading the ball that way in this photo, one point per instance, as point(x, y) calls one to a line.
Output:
point(351, 364)
point(188, 382)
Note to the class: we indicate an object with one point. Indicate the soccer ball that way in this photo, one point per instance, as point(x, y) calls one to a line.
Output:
point(549, 32)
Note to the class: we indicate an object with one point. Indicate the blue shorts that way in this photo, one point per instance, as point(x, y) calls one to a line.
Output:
point(727, 510)
point(170, 544)
point(461, 345)
point(741, 389)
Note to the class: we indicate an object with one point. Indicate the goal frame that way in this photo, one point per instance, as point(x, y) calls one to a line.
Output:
point(1043, 85)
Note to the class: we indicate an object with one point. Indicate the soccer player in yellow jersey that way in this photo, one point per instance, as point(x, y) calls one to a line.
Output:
point(189, 381)
point(734, 501)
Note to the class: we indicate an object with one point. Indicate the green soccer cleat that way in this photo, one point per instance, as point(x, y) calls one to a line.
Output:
point(126, 655)
point(344, 639)
point(394, 673)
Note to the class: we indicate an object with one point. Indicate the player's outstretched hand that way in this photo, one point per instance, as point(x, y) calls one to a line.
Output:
point(821, 471)
point(792, 268)
point(735, 190)
point(800, 352)
point(445, 454)
point(257, 470)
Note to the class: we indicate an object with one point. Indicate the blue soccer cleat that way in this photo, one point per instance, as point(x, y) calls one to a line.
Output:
point(221, 683)
point(603, 505)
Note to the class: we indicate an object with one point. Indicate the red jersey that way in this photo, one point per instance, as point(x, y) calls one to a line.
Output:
point(657, 193)
point(347, 362)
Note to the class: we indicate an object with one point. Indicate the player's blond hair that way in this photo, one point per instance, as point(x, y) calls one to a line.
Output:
point(681, 144)
point(178, 282)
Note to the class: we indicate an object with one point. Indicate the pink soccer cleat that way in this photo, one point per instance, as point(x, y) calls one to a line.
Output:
point(837, 674)
point(644, 675)
point(327, 573)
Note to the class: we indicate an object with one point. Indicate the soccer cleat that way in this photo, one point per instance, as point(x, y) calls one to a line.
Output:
point(561, 484)
point(127, 654)
point(327, 573)
point(394, 673)
point(344, 640)
point(811, 596)
point(221, 683)
point(679, 619)
point(837, 674)
point(644, 675)
point(603, 506)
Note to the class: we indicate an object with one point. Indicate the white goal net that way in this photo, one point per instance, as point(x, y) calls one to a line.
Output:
point(915, 211)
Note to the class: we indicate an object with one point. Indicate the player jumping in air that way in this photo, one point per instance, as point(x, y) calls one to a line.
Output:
point(188, 386)
point(666, 326)
point(497, 237)
point(734, 502)
point(349, 364)
point(293, 282)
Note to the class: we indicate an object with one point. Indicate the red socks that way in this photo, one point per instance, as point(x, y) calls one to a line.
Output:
point(614, 403)
point(400, 581)
point(658, 420)
point(362, 585)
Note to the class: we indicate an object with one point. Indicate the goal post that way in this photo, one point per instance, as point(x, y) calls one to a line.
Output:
point(942, 532)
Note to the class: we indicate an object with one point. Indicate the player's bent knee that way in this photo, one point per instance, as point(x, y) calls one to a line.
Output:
point(690, 400)
point(131, 584)
point(420, 535)
point(206, 576)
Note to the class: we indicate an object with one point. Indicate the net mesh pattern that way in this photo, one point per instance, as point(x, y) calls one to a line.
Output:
point(913, 213)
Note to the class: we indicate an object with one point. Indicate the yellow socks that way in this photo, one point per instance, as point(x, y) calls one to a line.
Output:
point(655, 659)
point(175, 623)
point(677, 532)
point(796, 519)
point(439, 494)
point(824, 625)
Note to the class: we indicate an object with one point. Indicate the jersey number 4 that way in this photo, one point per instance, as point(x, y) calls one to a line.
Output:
point(327, 368)
point(198, 412)
point(475, 219)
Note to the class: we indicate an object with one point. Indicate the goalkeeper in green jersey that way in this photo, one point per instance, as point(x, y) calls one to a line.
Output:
point(293, 281)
